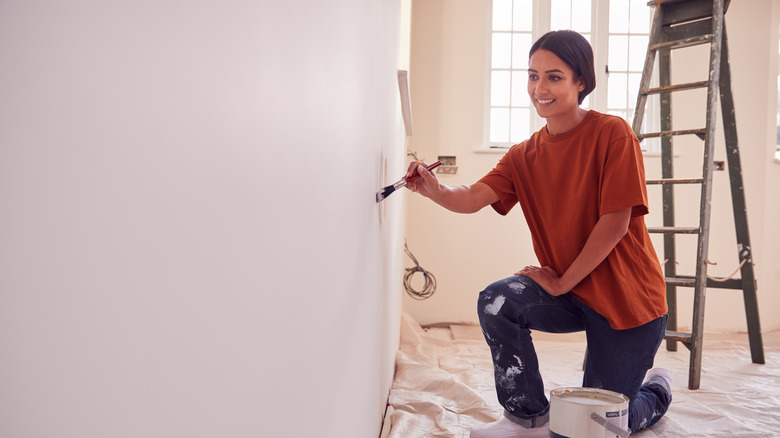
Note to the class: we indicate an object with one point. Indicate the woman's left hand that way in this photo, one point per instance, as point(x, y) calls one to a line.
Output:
point(546, 277)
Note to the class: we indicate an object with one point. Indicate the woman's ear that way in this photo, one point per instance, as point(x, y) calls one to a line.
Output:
point(580, 84)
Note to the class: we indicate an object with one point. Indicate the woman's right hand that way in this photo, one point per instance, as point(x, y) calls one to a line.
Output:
point(460, 199)
point(427, 184)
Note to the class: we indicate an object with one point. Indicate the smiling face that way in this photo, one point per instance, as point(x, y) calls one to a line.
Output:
point(553, 87)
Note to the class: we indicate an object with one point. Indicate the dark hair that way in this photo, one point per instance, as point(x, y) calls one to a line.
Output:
point(575, 51)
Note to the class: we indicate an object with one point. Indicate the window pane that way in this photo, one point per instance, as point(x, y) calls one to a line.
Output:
point(499, 88)
point(580, 15)
point(651, 144)
point(561, 14)
point(619, 113)
point(502, 13)
point(520, 89)
point(640, 16)
point(521, 124)
point(618, 14)
point(617, 83)
point(523, 15)
point(520, 49)
point(618, 51)
point(499, 125)
point(501, 50)
point(637, 52)
point(629, 24)
point(587, 37)
point(634, 80)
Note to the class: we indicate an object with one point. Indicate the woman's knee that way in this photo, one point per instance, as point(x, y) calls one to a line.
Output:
point(492, 298)
point(498, 294)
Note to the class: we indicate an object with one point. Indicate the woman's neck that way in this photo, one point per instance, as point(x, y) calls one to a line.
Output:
point(563, 124)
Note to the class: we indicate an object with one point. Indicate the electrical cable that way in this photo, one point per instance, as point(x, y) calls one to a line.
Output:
point(430, 281)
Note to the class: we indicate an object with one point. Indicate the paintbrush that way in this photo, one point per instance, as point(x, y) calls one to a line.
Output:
point(385, 192)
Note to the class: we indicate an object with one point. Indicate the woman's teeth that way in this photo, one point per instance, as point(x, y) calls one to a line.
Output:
point(545, 101)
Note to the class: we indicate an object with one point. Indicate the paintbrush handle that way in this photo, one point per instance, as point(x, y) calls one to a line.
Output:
point(416, 175)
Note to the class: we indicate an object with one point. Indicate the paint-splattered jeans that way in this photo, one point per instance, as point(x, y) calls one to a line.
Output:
point(617, 360)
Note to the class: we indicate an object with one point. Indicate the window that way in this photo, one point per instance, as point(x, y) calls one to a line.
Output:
point(511, 39)
point(574, 15)
point(629, 30)
point(517, 23)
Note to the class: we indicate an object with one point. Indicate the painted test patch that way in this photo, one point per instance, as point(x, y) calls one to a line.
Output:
point(496, 305)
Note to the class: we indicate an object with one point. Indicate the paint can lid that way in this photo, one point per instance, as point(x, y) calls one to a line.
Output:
point(591, 396)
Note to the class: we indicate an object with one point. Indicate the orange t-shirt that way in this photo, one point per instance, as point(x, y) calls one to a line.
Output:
point(564, 183)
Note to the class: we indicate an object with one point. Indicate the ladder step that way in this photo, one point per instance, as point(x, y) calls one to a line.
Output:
point(699, 132)
point(674, 230)
point(685, 338)
point(686, 42)
point(676, 181)
point(689, 281)
point(731, 283)
point(678, 87)
point(681, 281)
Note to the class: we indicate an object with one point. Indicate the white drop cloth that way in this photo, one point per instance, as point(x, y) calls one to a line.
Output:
point(444, 384)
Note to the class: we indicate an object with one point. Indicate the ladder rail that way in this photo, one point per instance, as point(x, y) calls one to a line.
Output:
point(667, 191)
point(694, 376)
point(647, 70)
point(739, 205)
point(677, 24)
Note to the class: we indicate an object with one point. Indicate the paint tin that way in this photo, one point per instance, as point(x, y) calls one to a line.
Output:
point(588, 413)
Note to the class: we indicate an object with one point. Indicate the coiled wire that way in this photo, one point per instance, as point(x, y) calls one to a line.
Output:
point(430, 281)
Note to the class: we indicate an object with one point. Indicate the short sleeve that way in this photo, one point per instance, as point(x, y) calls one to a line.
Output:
point(623, 179)
point(501, 180)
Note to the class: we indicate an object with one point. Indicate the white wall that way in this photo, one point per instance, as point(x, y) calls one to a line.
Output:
point(189, 243)
point(465, 253)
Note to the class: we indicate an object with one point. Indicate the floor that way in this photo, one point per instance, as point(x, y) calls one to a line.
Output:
point(444, 384)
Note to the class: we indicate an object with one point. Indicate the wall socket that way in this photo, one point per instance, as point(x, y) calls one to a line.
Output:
point(448, 165)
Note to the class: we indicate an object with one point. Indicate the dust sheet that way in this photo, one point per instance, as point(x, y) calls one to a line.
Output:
point(444, 386)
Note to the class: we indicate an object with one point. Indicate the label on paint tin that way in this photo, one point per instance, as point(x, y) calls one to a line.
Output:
point(572, 410)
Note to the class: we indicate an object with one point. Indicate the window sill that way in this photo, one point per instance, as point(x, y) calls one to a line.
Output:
point(492, 150)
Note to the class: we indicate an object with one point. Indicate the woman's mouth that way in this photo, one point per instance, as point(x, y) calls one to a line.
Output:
point(545, 101)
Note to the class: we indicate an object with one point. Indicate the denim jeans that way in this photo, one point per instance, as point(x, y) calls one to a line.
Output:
point(617, 360)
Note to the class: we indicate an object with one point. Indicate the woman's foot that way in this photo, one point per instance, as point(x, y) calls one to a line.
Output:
point(660, 376)
point(505, 428)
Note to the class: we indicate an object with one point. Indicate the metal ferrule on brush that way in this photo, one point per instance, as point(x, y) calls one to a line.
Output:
point(382, 194)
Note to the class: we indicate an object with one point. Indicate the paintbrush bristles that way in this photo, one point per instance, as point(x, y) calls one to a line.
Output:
point(385, 192)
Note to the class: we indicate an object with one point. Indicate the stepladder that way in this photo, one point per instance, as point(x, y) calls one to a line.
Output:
point(680, 24)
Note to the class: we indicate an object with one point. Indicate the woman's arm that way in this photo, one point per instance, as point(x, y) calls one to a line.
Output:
point(460, 199)
point(609, 229)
